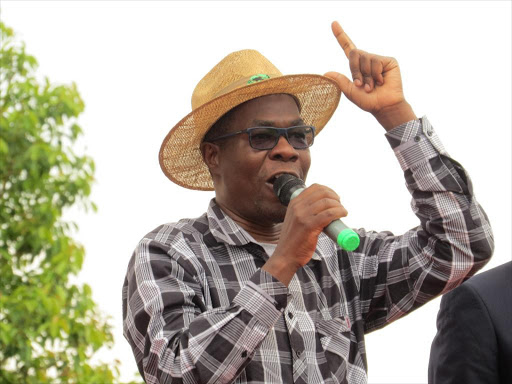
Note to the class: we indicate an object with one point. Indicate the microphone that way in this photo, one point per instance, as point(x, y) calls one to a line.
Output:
point(287, 187)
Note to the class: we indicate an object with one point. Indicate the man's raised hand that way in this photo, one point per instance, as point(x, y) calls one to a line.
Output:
point(377, 83)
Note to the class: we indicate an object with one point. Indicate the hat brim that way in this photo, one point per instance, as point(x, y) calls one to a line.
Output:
point(180, 156)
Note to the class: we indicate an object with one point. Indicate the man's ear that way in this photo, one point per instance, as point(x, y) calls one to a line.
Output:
point(210, 154)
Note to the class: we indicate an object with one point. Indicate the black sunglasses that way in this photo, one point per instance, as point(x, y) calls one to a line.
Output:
point(263, 138)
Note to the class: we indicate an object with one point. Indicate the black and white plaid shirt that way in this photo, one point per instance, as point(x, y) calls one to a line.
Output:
point(197, 307)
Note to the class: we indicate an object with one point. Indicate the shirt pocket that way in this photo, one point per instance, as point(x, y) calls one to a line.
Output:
point(334, 337)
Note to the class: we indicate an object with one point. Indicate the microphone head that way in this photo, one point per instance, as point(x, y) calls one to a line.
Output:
point(285, 185)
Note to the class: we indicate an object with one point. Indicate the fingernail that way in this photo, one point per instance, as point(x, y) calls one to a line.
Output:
point(358, 82)
point(367, 87)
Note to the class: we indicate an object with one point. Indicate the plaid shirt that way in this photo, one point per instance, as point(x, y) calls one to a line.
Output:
point(198, 308)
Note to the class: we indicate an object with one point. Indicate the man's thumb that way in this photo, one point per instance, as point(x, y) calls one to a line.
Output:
point(343, 81)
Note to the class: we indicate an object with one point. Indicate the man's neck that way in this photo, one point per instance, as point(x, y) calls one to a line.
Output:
point(261, 233)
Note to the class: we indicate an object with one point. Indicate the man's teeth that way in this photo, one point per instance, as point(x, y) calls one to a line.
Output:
point(272, 181)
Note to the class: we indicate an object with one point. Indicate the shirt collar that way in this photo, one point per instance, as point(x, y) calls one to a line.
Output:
point(223, 228)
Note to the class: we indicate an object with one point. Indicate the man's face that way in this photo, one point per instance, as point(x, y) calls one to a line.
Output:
point(244, 176)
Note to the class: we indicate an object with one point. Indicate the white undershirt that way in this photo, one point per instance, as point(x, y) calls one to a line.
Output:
point(269, 248)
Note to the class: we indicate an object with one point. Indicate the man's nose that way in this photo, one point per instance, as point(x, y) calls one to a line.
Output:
point(283, 151)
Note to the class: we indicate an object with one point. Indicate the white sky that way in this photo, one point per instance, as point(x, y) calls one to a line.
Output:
point(136, 64)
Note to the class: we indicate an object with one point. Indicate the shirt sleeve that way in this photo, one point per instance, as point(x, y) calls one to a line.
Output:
point(174, 337)
point(454, 239)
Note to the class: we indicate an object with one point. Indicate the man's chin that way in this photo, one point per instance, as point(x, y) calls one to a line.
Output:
point(271, 213)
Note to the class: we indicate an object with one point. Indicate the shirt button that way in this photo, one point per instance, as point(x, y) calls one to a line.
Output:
point(244, 354)
point(429, 132)
point(417, 138)
point(290, 315)
point(298, 353)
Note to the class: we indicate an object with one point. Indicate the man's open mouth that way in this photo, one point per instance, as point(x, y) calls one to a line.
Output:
point(273, 178)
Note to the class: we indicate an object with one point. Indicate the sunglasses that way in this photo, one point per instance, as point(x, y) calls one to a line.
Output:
point(264, 138)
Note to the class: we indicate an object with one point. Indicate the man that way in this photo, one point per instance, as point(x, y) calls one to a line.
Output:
point(474, 331)
point(254, 292)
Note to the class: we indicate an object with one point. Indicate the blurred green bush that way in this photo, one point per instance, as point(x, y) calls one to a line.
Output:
point(50, 328)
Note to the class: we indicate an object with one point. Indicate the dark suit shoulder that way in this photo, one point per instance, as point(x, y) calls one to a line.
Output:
point(494, 288)
point(496, 279)
point(491, 291)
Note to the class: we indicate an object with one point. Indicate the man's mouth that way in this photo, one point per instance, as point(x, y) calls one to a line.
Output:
point(272, 179)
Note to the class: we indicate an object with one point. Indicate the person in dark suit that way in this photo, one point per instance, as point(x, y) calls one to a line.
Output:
point(474, 331)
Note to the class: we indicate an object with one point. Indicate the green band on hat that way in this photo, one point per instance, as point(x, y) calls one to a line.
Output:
point(348, 240)
point(257, 78)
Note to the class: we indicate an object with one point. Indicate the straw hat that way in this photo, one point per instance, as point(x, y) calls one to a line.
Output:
point(239, 77)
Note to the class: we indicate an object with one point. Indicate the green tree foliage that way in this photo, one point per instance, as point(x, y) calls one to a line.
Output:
point(50, 328)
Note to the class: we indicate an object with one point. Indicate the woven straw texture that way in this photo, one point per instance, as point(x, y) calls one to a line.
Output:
point(225, 87)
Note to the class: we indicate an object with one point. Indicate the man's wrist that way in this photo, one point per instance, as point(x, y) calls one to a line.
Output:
point(281, 268)
point(395, 115)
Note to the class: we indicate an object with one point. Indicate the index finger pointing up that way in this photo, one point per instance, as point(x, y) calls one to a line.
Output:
point(344, 41)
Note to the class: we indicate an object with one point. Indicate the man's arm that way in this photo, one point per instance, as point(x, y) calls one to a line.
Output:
point(453, 241)
point(465, 347)
point(174, 337)
point(400, 273)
